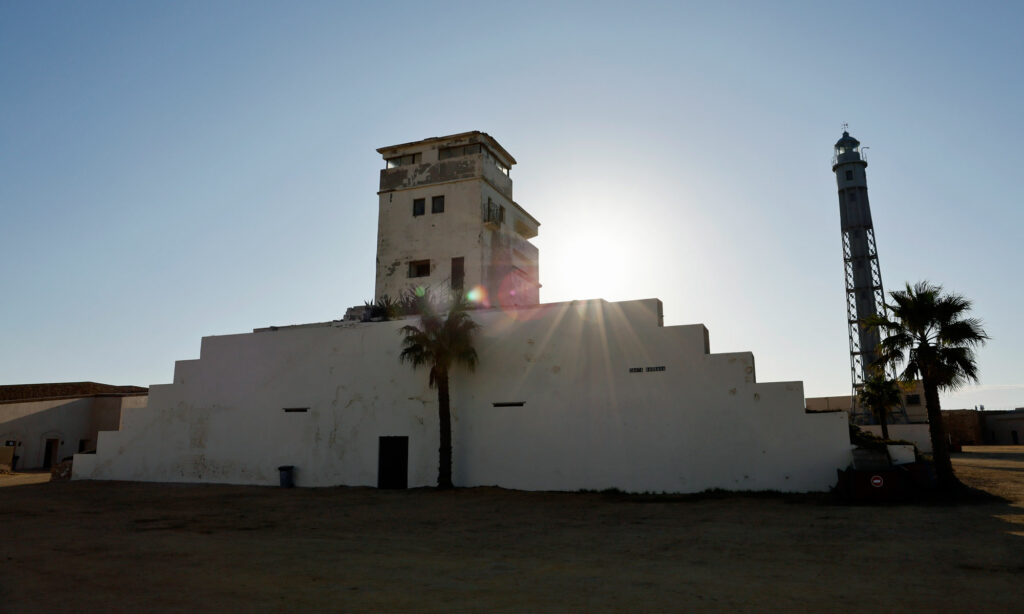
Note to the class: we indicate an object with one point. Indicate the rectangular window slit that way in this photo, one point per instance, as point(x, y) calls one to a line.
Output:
point(295, 410)
point(509, 404)
point(649, 369)
point(636, 369)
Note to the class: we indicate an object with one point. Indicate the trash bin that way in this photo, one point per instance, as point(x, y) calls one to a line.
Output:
point(287, 476)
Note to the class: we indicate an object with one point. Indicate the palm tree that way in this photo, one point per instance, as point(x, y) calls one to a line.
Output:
point(929, 333)
point(879, 394)
point(440, 342)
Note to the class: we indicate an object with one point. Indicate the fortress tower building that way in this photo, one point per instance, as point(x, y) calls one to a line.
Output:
point(447, 220)
point(577, 395)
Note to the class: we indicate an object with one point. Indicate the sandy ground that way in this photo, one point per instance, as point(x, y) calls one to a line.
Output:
point(129, 547)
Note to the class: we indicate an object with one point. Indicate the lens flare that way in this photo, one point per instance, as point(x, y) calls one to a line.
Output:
point(514, 299)
point(478, 295)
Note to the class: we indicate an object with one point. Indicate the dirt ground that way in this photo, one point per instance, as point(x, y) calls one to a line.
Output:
point(131, 547)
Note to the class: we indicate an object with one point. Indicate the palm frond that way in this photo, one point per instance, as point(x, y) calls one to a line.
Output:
point(928, 334)
point(967, 331)
point(440, 341)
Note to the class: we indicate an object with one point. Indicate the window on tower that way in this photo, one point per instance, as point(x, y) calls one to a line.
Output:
point(459, 150)
point(495, 213)
point(437, 204)
point(849, 175)
point(419, 268)
point(404, 160)
point(419, 206)
point(501, 166)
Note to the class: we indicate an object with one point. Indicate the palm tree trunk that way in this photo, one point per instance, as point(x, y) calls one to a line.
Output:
point(885, 424)
point(444, 469)
point(940, 447)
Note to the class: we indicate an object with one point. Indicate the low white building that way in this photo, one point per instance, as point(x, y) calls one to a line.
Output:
point(41, 424)
point(567, 396)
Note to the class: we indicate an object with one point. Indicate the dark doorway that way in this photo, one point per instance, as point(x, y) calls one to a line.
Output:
point(393, 463)
point(52, 449)
point(458, 274)
point(1013, 436)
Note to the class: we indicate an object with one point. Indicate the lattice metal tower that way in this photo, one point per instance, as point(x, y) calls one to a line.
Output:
point(864, 294)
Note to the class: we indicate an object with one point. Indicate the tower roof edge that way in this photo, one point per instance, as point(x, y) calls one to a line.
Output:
point(470, 137)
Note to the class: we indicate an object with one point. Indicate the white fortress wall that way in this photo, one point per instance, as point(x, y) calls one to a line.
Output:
point(223, 419)
point(586, 421)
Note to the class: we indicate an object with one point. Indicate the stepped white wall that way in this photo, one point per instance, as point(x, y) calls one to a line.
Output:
point(587, 422)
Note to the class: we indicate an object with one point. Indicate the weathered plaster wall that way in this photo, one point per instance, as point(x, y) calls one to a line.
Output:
point(586, 420)
point(490, 253)
point(511, 268)
point(439, 237)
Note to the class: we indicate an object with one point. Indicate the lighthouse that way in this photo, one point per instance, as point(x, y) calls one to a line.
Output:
point(864, 294)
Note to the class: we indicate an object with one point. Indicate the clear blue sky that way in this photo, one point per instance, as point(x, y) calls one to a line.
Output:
point(181, 169)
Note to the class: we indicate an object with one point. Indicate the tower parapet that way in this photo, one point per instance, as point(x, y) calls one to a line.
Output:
point(449, 158)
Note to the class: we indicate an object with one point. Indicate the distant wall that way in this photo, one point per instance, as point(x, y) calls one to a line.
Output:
point(837, 403)
point(974, 427)
point(965, 427)
point(916, 434)
point(1003, 426)
point(913, 405)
